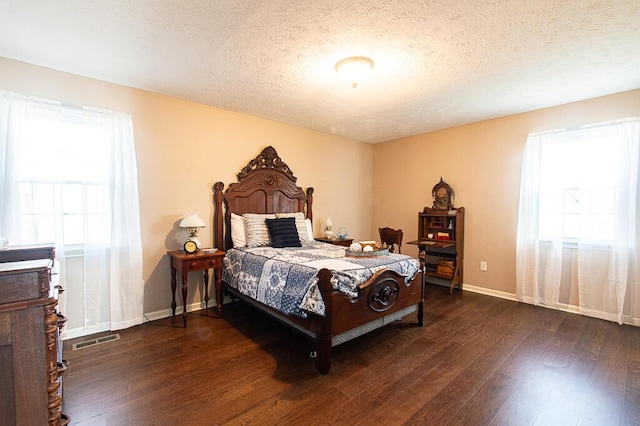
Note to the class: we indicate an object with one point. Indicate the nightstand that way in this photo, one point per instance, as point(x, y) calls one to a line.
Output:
point(337, 242)
point(199, 261)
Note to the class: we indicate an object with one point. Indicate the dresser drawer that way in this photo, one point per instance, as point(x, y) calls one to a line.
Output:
point(21, 281)
point(200, 264)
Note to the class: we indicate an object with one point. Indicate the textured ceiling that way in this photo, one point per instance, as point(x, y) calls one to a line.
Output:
point(438, 63)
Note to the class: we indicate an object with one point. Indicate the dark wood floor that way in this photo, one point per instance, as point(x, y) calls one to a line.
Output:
point(478, 360)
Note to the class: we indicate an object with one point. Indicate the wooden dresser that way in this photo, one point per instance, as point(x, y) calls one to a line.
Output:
point(30, 350)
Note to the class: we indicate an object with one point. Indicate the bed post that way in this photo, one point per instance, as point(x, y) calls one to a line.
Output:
point(310, 204)
point(218, 217)
point(323, 341)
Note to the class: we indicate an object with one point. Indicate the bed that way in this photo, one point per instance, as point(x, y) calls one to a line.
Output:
point(384, 293)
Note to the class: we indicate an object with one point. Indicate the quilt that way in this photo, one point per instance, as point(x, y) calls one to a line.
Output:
point(286, 278)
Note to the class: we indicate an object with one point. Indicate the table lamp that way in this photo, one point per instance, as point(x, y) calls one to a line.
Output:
point(328, 233)
point(192, 223)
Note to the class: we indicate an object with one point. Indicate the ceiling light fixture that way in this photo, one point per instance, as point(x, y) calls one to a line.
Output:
point(354, 68)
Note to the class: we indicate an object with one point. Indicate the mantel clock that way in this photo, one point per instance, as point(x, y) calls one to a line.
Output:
point(443, 196)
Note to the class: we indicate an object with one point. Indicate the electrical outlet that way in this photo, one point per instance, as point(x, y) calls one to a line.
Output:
point(483, 266)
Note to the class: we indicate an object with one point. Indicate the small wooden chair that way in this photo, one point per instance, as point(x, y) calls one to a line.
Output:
point(390, 237)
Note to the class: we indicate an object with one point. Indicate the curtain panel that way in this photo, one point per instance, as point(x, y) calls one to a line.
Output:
point(577, 233)
point(68, 175)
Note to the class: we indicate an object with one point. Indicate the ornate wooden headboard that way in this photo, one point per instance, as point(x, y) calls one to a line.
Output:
point(265, 185)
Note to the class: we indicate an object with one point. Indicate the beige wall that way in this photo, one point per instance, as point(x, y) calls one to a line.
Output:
point(482, 162)
point(183, 148)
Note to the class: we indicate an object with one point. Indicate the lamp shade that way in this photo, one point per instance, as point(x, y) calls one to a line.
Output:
point(328, 223)
point(192, 221)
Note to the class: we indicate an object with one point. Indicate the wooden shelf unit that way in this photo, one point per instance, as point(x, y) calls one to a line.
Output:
point(441, 246)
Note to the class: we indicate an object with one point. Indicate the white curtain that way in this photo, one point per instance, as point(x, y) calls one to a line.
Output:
point(68, 176)
point(577, 226)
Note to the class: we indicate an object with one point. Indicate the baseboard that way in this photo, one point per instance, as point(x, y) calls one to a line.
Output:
point(165, 313)
point(149, 316)
point(563, 307)
point(197, 306)
point(489, 292)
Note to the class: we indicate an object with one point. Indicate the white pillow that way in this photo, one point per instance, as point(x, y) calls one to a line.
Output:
point(309, 228)
point(301, 226)
point(238, 233)
point(256, 228)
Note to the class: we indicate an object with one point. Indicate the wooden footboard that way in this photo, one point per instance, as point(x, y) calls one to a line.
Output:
point(381, 300)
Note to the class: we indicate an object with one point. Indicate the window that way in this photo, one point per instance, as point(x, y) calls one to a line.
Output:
point(67, 163)
point(579, 184)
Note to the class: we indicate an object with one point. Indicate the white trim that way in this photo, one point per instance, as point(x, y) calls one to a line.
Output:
point(489, 292)
point(165, 313)
point(196, 306)
point(563, 307)
point(151, 316)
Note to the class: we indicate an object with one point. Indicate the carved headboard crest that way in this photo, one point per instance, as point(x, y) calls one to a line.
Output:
point(265, 185)
point(267, 159)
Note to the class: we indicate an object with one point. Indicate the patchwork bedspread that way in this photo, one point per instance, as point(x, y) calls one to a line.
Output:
point(286, 278)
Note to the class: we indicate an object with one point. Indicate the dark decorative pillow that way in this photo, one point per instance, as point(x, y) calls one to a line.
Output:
point(283, 232)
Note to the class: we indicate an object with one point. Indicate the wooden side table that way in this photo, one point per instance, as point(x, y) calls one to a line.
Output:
point(200, 261)
point(337, 242)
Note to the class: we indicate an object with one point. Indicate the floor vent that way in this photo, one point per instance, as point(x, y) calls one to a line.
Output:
point(97, 341)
